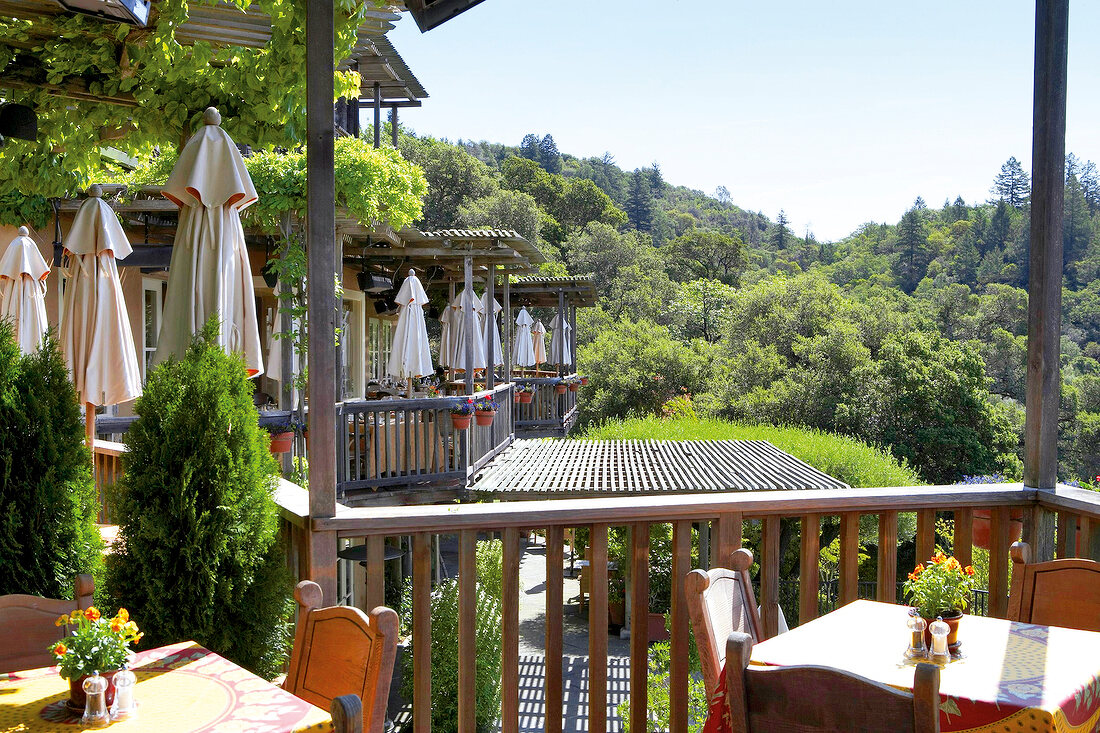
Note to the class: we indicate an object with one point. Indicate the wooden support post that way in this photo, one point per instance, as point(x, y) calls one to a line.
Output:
point(450, 360)
point(849, 557)
point(1067, 535)
point(562, 345)
point(998, 562)
point(639, 628)
point(964, 536)
point(322, 258)
point(377, 115)
point(926, 534)
point(555, 541)
point(467, 631)
point(509, 720)
point(422, 633)
point(393, 125)
point(573, 336)
point(727, 540)
point(470, 319)
point(376, 572)
point(888, 557)
point(507, 345)
point(597, 630)
point(769, 576)
point(678, 665)
point(1048, 150)
point(809, 562)
point(490, 320)
point(1084, 532)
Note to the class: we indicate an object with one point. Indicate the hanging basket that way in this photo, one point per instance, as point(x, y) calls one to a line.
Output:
point(573, 386)
point(584, 381)
point(524, 398)
point(560, 388)
point(983, 524)
point(282, 442)
point(460, 422)
point(485, 417)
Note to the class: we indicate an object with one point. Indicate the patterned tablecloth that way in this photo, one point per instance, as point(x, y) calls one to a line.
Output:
point(181, 687)
point(1010, 677)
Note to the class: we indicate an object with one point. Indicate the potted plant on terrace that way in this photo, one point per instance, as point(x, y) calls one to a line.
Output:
point(486, 411)
point(561, 386)
point(525, 393)
point(282, 436)
point(96, 645)
point(941, 589)
point(461, 412)
point(584, 380)
point(573, 383)
point(616, 600)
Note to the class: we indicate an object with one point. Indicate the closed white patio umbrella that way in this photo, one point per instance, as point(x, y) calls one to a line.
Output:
point(209, 274)
point(523, 353)
point(490, 309)
point(538, 338)
point(459, 333)
point(410, 356)
point(95, 329)
point(23, 275)
point(559, 341)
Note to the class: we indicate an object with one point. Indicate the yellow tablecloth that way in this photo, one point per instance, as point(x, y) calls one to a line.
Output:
point(181, 688)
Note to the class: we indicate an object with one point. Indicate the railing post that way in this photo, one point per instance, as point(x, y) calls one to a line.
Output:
point(728, 539)
point(422, 633)
point(998, 562)
point(926, 534)
point(888, 557)
point(639, 628)
point(467, 631)
point(964, 536)
point(769, 575)
point(555, 540)
point(849, 557)
point(678, 671)
point(597, 630)
point(509, 719)
point(808, 568)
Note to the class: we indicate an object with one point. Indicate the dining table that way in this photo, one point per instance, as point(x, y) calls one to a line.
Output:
point(181, 688)
point(1007, 676)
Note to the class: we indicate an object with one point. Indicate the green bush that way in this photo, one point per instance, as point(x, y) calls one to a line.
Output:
point(657, 688)
point(198, 556)
point(444, 667)
point(852, 461)
point(47, 495)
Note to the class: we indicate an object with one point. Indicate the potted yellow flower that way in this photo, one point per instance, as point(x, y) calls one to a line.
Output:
point(97, 644)
point(941, 589)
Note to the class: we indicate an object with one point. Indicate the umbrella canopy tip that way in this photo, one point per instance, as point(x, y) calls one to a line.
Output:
point(95, 191)
point(212, 116)
point(24, 232)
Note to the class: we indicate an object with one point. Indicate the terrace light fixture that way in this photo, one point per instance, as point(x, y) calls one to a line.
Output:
point(134, 12)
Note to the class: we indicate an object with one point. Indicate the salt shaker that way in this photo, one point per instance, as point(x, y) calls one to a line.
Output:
point(939, 631)
point(95, 706)
point(125, 705)
point(916, 648)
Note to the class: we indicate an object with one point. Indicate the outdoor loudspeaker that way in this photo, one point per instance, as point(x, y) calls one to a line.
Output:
point(372, 283)
point(134, 12)
point(18, 121)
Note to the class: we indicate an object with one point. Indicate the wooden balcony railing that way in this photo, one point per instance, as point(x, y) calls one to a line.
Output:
point(402, 443)
point(726, 515)
point(107, 467)
point(549, 414)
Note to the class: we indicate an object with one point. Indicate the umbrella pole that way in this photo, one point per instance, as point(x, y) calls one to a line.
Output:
point(89, 425)
point(410, 392)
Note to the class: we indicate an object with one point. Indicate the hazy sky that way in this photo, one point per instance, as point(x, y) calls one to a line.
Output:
point(838, 112)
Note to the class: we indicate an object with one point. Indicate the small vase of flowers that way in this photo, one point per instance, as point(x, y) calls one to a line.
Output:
point(941, 589)
point(461, 413)
point(486, 411)
point(96, 644)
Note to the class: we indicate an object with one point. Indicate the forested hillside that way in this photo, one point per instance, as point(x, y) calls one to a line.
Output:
point(910, 335)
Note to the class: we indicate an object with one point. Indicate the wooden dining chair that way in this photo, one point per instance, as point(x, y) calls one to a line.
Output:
point(27, 625)
point(1057, 593)
point(340, 650)
point(347, 714)
point(813, 699)
point(721, 601)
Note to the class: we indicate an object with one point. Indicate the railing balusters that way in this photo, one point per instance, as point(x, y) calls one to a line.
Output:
point(1084, 537)
point(727, 540)
point(422, 633)
point(597, 630)
point(809, 562)
point(510, 647)
point(998, 561)
point(639, 625)
point(1067, 530)
point(769, 575)
point(926, 538)
point(376, 571)
point(678, 626)
point(849, 557)
point(467, 631)
point(887, 557)
point(555, 562)
point(964, 536)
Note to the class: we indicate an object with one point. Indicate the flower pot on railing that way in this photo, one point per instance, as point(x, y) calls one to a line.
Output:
point(584, 381)
point(485, 417)
point(460, 422)
point(282, 442)
point(561, 388)
point(574, 386)
point(525, 398)
point(983, 524)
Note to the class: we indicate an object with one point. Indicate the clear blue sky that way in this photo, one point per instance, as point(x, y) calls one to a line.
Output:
point(839, 113)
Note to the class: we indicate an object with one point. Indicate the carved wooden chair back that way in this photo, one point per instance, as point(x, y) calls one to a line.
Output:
point(719, 602)
point(824, 700)
point(1058, 593)
point(340, 650)
point(27, 625)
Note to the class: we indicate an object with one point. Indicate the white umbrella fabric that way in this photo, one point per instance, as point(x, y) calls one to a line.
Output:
point(209, 274)
point(23, 275)
point(274, 365)
point(459, 333)
point(490, 309)
point(559, 341)
point(538, 337)
point(95, 329)
point(523, 352)
point(410, 356)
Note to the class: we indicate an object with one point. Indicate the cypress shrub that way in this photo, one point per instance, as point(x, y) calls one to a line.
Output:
point(198, 555)
point(47, 494)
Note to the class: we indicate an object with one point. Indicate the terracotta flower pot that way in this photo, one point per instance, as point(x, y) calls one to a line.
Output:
point(560, 388)
point(952, 636)
point(485, 417)
point(282, 442)
point(77, 696)
point(983, 524)
point(584, 381)
point(460, 422)
point(525, 397)
point(573, 386)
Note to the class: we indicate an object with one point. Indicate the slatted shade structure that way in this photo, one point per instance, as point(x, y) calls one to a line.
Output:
point(543, 469)
point(431, 13)
point(535, 292)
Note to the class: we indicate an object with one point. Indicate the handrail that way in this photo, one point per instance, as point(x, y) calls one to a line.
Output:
point(360, 522)
point(1072, 499)
point(108, 448)
point(415, 403)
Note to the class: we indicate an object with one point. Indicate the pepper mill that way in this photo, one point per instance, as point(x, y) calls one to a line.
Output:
point(95, 707)
point(916, 648)
point(125, 706)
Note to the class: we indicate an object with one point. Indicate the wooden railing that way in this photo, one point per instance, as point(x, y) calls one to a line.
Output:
point(725, 516)
point(549, 414)
point(107, 467)
point(402, 443)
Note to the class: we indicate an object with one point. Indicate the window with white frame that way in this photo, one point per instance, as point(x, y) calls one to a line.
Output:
point(351, 345)
point(152, 311)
